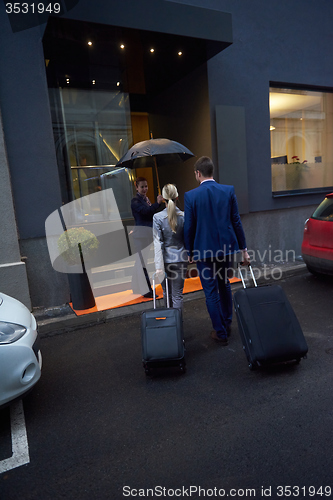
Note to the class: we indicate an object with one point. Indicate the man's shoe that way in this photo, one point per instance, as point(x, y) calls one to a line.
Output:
point(148, 295)
point(221, 340)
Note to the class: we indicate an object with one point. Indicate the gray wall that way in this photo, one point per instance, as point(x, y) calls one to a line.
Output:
point(273, 41)
point(30, 149)
point(13, 276)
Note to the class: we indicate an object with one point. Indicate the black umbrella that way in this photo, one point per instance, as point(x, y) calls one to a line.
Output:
point(153, 153)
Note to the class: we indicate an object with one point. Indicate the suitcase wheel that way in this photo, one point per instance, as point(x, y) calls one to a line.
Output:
point(147, 369)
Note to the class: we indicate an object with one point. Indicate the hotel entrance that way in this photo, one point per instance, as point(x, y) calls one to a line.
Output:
point(110, 88)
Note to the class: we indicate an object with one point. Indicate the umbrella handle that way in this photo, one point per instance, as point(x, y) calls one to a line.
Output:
point(158, 180)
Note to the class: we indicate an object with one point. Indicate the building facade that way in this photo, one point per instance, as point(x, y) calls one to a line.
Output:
point(249, 84)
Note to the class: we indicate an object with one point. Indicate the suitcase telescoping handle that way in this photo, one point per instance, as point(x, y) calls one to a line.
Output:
point(166, 290)
point(242, 278)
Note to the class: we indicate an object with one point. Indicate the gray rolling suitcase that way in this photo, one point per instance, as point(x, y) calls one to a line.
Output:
point(162, 337)
point(268, 327)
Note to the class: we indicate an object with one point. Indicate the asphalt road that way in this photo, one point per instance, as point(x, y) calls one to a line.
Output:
point(98, 428)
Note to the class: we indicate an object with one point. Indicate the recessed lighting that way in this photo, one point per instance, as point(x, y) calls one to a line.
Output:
point(122, 46)
point(152, 50)
point(90, 43)
point(180, 53)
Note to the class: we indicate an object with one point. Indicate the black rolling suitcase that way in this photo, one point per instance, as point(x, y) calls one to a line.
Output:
point(268, 326)
point(162, 337)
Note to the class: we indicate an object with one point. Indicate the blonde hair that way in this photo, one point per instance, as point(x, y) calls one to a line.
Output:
point(170, 194)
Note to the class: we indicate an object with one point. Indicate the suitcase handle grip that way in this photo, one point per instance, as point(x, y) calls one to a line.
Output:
point(166, 289)
point(252, 275)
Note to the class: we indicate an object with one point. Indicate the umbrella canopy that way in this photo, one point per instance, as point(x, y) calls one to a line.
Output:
point(154, 152)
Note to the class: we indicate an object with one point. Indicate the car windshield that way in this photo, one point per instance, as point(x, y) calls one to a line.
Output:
point(325, 210)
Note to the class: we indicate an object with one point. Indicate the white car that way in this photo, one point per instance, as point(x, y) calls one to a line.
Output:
point(20, 356)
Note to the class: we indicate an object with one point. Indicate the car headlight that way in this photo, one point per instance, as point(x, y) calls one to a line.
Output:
point(10, 332)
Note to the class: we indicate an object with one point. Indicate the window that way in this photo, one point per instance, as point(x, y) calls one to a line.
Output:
point(92, 131)
point(301, 128)
point(325, 209)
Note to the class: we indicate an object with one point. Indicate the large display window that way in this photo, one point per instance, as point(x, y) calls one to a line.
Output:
point(301, 128)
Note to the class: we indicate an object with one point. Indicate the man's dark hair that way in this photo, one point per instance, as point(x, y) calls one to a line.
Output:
point(205, 166)
point(140, 179)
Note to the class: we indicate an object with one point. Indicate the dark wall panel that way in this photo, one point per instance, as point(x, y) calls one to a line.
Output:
point(231, 148)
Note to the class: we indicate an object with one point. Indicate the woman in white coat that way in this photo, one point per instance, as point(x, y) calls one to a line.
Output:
point(169, 249)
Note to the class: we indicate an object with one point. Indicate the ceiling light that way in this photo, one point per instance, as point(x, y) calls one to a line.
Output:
point(180, 53)
point(89, 43)
point(67, 80)
point(94, 82)
point(152, 50)
point(118, 83)
point(122, 46)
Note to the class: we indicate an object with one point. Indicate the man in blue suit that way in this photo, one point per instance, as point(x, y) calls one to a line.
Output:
point(213, 232)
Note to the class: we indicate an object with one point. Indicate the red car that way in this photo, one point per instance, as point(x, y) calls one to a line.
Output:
point(317, 246)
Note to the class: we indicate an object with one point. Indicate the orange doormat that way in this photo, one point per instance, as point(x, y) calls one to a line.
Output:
point(128, 298)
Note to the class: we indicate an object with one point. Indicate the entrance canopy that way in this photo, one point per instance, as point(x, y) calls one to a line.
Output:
point(167, 27)
point(158, 15)
point(154, 43)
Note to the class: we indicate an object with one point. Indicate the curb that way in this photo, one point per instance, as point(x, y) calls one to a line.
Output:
point(62, 319)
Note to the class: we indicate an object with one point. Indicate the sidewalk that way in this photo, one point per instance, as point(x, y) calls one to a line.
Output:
point(62, 319)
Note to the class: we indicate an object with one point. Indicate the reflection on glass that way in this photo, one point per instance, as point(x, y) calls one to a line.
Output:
point(94, 179)
point(92, 132)
point(301, 128)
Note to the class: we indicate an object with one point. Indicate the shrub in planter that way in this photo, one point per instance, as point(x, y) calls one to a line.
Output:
point(74, 241)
